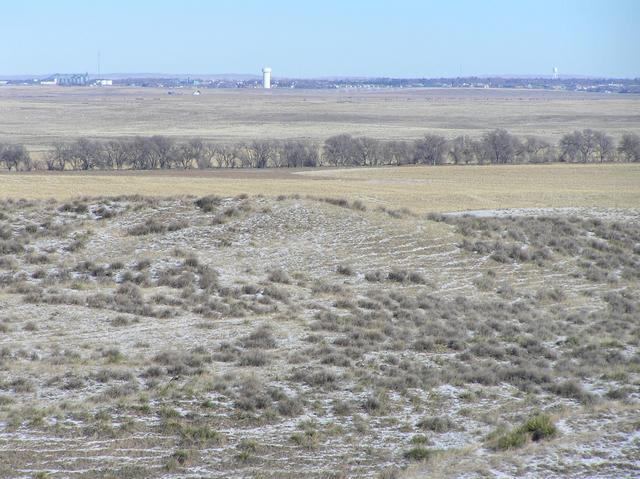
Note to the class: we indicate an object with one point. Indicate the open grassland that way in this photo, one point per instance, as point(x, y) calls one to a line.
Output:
point(39, 116)
point(421, 189)
point(293, 337)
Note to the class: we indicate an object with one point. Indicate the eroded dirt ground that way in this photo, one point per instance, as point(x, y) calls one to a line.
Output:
point(255, 337)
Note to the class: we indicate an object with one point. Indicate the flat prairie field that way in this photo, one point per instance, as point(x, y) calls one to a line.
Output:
point(40, 116)
point(421, 188)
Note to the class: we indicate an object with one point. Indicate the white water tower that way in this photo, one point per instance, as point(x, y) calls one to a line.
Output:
point(266, 77)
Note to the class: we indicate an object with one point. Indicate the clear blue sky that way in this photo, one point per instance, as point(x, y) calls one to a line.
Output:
point(399, 38)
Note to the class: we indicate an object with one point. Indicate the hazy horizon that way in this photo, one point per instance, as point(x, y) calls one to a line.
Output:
point(258, 76)
point(412, 39)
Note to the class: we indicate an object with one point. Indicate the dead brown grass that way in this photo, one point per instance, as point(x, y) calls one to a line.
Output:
point(421, 189)
point(39, 116)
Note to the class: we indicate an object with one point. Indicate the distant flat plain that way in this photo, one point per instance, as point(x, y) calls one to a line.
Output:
point(420, 188)
point(40, 116)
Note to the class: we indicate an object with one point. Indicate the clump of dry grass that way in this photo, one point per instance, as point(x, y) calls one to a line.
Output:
point(155, 226)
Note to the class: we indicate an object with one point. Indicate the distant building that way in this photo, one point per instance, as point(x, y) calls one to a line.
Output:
point(266, 77)
point(67, 79)
point(104, 82)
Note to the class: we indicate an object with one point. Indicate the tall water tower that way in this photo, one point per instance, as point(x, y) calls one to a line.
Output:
point(266, 77)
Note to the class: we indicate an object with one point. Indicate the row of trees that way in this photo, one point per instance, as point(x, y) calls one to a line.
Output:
point(161, 152)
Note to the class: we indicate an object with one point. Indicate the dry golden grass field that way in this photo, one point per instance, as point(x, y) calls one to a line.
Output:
point(39, 116)
point(421, 189)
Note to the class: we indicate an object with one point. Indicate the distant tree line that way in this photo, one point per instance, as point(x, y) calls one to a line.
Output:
point(161, 152)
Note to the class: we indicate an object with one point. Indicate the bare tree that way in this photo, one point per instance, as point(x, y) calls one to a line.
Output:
point(570, 146)
point(260, 153)
point(139, 154)
point(226, 156)
point(190, 153)
point(339, 150)
point(116, 153)
point(15, 157)
point(604, 145)
point(588, 145)
point(630, 146)
point(85, 154)
point(396, 152)
point(501, 147)
point(60, 157)
point(461, 150)
point(536, 150)
point(161, 151)
point(367, 151)
point(481, 153)
point(579, 145)
point(207, 156)
point(430, 150)
point(299, 153)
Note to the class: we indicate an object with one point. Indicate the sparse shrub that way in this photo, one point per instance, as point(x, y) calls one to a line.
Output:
point(128, 292)
point(200, 436)
point(255, 358)
point(30, 326)
point(375, 403)
point(423, 344)
point(374, 276)
point(345, 270)
point(112, 355)
point(208, 279)
point(536, 428)
point(250, 289)
point(337, 202)
point(418, 453)
point(119, 321)
point(420, 440)
point(484, 282)
point(417, 278)
point(551, 294)
point(142, 264)
point(309, 438)
point(75, 207)
point(22, 385)
point(342, 408)
point(290, 407)
point(436, 424)
point(10, 246)
point(540, 427)
point(208, 203)
point(318, 377)
point(261, 338)
point(398, 275)
point(179, 458)
point(572, 389)
point(358, 205)
point(279, 276)
point(150, 226)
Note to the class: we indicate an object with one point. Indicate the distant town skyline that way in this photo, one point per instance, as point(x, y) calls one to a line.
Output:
point(405, 39)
